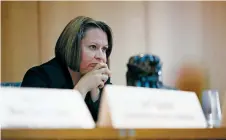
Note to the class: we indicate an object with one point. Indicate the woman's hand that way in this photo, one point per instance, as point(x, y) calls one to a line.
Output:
point(95, 94)
point(93, 79)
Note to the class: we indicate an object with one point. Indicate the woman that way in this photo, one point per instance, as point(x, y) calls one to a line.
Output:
point(80, 62)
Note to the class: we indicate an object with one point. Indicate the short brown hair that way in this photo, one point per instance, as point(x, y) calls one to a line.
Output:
point(68, 48)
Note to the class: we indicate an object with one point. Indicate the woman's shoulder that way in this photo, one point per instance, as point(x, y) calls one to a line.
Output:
point(35, 77)
point(45, 68)
point(44, 74)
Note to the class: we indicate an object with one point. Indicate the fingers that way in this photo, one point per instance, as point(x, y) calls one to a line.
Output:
point(105, 71)
point(102, 73)
point(102, 68)
point(100, 65)
point(101, 85)
point(104, 77)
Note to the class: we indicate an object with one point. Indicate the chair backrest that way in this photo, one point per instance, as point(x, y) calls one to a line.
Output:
point(11, 84)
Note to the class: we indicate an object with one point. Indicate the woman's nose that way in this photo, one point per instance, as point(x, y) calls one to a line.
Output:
point(100, 55)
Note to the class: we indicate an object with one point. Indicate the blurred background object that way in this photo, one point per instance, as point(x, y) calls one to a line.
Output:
point(145, 70)
point(176, 31)
point(192, 77)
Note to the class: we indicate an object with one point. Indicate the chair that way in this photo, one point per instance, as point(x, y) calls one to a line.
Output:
point(11, 84)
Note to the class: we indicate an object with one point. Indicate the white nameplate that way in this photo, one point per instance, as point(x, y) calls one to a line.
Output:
point(133, 107)
point(223, 123)
point(43, 108)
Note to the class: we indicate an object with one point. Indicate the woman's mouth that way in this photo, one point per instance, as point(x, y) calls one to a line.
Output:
point(92, 65)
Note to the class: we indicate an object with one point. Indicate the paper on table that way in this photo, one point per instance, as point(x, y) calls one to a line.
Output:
point(44, 108)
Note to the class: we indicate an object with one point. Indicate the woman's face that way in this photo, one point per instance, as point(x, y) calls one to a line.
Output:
point(94, 46)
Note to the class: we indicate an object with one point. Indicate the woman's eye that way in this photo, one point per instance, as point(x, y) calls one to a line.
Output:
point(92, 47)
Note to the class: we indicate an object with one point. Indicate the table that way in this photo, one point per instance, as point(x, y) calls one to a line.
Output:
point(110, 134)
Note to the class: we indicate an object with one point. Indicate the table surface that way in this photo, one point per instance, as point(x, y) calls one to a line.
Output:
point(105, 133)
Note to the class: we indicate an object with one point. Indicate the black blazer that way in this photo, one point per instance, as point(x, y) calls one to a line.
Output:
point(54, 74)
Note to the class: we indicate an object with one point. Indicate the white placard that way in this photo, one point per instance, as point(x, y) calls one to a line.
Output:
point(43, 108)
point(223, 123)
point(133, 107)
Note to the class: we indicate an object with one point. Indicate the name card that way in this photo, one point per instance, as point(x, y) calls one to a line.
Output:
point(223, 123)
point(43, 108)
point(136, 107)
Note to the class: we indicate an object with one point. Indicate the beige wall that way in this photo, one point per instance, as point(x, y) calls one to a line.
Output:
point(176, 31)
point(175, 34)
point(20, 45)
point(214, 43)
point(195, 32)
